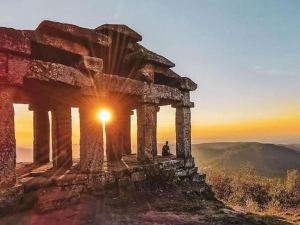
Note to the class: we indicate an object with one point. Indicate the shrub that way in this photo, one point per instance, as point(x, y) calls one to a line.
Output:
point(245, 188)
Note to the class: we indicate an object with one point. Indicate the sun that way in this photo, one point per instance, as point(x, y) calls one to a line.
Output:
point(104, 115)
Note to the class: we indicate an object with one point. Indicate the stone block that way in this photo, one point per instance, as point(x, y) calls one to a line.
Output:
point(189, 162)
point(110, 180)
point(181, 173)
point(15, 41)
point(54, 198)
point(187, 84)
point(138, 176)
point(83, 42)
point(173, 163)
point(90, 65)
point(71, 179)
point(152, 170)
point(47, 71)
point(192, 171)
point(10, 196)
point(36, 183)
point(96, 181)
point(199, 178)
point(168, 175)
point(124, 181)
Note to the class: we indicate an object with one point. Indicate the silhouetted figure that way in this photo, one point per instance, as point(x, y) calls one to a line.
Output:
point(166, 149)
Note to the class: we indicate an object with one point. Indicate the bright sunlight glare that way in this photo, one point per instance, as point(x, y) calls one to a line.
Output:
point(104, 115)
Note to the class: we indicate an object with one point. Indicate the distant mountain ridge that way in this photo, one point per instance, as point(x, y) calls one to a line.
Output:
point(267, 159)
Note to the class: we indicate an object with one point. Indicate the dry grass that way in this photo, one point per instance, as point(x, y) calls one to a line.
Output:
point(248, 192)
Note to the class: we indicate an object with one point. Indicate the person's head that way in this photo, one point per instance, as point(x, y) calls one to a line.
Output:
point(167, 142)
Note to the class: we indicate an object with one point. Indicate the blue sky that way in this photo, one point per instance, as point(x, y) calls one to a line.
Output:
point(244, 55)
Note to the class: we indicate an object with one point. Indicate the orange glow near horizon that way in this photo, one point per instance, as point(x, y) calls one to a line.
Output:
point(277, 128)
point(104, 115)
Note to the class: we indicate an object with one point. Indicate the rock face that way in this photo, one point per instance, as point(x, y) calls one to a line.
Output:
point(58, 66)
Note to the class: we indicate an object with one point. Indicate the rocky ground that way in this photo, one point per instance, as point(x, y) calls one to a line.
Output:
point(171, 205)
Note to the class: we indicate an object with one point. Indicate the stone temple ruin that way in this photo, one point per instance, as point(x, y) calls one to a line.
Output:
point(59, 66)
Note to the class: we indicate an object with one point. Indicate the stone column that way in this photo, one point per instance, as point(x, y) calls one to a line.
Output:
point(183, 132)
point(155, 136)
point(114, 136)
point(62, 136)
point(146, 132)
point(7, 139)
point(126, 132)
point(41, 135)
point(183, 127)
point(91, 141)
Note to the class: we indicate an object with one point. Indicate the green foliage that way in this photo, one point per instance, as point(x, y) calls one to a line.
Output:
point(246, 189)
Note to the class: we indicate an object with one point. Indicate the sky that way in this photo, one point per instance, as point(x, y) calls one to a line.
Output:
point(244, 56)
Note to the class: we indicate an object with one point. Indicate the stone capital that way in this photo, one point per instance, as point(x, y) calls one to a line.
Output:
point(183, 105)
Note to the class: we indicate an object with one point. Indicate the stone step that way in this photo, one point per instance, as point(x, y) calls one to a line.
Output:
point(199, 178)
point(56, 198)
point(185, 172)
point(35, 183)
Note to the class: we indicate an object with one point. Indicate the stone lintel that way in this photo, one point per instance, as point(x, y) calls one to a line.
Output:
point(116, 84)
point(47, 71)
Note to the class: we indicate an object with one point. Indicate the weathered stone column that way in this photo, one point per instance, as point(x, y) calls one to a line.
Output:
point(183, 127)
point(41, 135)
point(155, 136)
point(62, 136)
point(126, 132)
point(114, 136)
point(91, 141)
point(146, 132)
point(7, 139)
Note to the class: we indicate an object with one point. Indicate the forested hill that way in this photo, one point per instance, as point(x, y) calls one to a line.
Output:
point(267, 159)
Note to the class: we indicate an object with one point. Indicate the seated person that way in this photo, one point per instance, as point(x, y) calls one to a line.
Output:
point(166, 150)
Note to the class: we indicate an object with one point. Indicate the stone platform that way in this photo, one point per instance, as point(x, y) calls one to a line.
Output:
point(50, 188)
